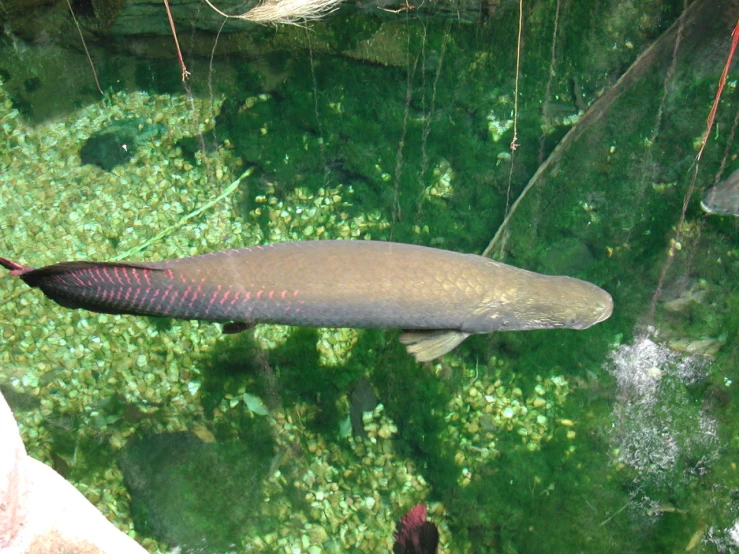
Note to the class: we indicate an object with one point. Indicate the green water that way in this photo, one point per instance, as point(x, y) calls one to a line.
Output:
point(619, 438)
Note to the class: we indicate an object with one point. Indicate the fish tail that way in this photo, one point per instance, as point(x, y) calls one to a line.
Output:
point(105, 287)
point(16, 269)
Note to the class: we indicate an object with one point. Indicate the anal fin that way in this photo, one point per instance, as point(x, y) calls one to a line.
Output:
point(428, 345)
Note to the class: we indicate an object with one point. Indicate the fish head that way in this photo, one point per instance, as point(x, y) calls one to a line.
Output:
point(585, 314)
point(548, 302)
point(720, 202)
point(574, 304)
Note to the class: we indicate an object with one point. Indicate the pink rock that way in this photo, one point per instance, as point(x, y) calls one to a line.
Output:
point(41, 512)
point(414, 534)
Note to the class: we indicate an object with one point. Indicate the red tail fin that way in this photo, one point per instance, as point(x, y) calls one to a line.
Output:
point(16, 269)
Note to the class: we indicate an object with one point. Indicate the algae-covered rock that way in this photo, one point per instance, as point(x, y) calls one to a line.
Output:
point(190, 494)
point(116, 144)
point(568, 256)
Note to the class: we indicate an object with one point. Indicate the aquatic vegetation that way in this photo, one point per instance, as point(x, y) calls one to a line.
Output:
point(391, 137)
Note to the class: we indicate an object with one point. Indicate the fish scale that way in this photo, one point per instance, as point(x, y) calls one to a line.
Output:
point(442, 296)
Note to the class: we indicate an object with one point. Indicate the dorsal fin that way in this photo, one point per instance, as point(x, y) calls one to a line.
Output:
point(34, 277)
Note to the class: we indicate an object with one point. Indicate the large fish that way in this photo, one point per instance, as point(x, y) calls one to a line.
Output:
point(439, 297)
point(723, 199)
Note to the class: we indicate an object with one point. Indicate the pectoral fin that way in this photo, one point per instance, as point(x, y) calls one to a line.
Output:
point(428, 345)
point(236, 327)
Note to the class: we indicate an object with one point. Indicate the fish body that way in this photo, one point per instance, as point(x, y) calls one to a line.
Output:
point(723, 199)
point(442, 296)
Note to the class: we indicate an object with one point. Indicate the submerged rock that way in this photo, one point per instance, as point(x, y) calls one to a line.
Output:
point(41, 511)
point(193, 495)
point(116, 144)
point(683, 292)
point(706, 346)
point(569, 256)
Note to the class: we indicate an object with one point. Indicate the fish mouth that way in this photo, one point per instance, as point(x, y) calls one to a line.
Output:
point(606, 309)
point(706, 208)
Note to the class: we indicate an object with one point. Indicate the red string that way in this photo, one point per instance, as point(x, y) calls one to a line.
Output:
point(721, 83)
point(185, 72)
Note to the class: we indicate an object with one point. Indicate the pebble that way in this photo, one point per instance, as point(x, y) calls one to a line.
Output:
point(384, 432)
point(318, 534)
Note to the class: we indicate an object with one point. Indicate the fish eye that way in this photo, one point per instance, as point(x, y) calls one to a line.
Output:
point(572, 321)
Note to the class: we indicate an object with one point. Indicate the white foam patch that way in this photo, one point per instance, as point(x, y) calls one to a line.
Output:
point(723, 540)
point(734, 533)
point(655, 422)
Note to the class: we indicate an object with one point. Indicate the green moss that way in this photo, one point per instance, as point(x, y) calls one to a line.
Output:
point(416, 401)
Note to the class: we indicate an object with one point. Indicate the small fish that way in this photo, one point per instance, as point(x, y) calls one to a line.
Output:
point(439, 297)
point(723, 199)
point(664, 509)
point(696, 538)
